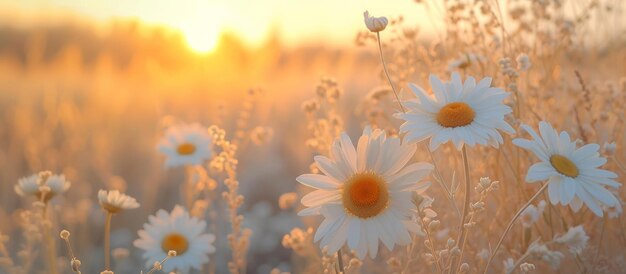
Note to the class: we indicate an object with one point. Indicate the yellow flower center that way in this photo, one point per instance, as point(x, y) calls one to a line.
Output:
point(564, 166)
point(365, 195)
point(455, 114)
point(186, 149)
point(175, 242)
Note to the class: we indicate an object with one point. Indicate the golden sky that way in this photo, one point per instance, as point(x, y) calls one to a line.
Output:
point(201, 21)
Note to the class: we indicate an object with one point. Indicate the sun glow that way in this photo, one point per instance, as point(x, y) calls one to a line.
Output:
point(201, 26)
point(201, 39)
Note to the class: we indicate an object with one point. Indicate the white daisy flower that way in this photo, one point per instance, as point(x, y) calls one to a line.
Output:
point(113, 201)
point(186, 145)
point(30, 186)
point(573, 174)
point(462, 112)
point(176, 231)
point(365, 194)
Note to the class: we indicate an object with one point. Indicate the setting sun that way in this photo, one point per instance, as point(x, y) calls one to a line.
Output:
point(201, 25)
point(201, 38)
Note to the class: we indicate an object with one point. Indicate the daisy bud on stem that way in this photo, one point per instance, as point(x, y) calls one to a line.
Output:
point(375, 24)
point(378, 24)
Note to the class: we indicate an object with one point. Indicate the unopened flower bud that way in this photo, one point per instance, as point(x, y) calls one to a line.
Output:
point(375, 24)
point(64, 234)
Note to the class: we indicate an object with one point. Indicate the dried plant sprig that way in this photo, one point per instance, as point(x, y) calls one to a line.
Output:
point(74, 262)
point(510, 225)
point(238, 239)
point(159, 265)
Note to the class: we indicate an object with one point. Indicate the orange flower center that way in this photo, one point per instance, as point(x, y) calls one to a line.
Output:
point(365, 195)
point(176, 242)
point(455, 114)
point(186, 149)
point(564, 166)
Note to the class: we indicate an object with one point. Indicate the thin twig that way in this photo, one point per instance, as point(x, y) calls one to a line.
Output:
point(466, 204)
point(595, 258)
point(508, 228)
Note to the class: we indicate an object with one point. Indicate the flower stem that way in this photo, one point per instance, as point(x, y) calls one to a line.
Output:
point(342, 270)
point(441, 183)
point(510, 225)
point(107, 241)
point(595, 259)
point(50, 244)
point(382, 59)
point(466, 204)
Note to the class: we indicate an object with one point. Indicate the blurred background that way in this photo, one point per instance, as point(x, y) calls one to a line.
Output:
point(87, 87)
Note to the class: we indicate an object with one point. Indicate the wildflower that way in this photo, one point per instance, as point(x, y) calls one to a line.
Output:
point(287, 200)
point(614, 211)
point(186, 145)
point(523, 62)
point(527, 267)
point(531, 214)
point(179, 232)
point(575, 239)
point(508, 265)
point(365, 193)
point(573, 174)
point(462, 112)
point(64, 234)
point(609, 148)
point(120, 253)
point(465, 61)
point(375, 24)
point(113, 201)
point(297, 239)
point(52, 185)
point(541, 251)
point(261, 135)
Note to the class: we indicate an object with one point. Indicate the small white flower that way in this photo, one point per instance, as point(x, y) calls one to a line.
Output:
point(186, 145)
point(508, 265)
point(575, 239)
point(573, 175)
point(375, 24)
point(113, 201)
point(542, 252)
point(527, 267)
point(365, 194)
point(179, 232)
point(609, 148)
point(531, 214)
point(462, 112)
point(31, 185)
